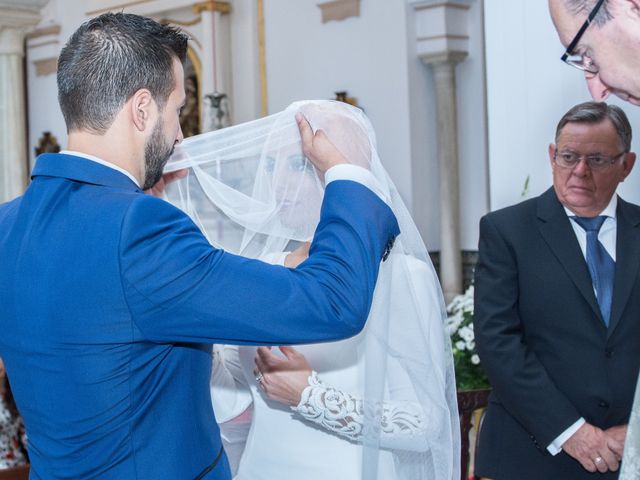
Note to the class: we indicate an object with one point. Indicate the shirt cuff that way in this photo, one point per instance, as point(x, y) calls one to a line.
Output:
point(347, 171)
point(555, 447)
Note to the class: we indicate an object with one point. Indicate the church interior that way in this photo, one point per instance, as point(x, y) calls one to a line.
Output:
point(464, 96)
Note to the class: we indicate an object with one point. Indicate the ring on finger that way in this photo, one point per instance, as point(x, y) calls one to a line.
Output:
point(597, 460)
point(259, 378)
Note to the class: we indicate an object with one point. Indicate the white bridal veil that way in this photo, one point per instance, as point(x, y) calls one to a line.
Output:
point(252, 192)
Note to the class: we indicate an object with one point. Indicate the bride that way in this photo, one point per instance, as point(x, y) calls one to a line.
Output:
point(380, 405)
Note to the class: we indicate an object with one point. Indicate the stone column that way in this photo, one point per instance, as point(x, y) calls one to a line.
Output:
point(16, 17)
point(441, 43)
point(13, 141)
point(450, 254)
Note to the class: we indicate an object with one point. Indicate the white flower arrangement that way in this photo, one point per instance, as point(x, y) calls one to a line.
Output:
point(459, 325)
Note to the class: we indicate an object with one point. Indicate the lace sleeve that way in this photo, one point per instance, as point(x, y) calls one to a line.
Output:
point(402, 424)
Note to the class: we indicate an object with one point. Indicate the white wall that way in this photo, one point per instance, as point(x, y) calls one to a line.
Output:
point(472, 131)
point(366, 55)
point(472, 149)
point(423, 141)
point(529, 89)
point(374, 57)
point(245, 100)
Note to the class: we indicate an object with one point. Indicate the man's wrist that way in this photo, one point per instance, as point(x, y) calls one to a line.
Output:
point(555, 446)
point(355, 173)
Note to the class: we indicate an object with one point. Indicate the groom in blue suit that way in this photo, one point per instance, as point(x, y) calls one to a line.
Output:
point(110, 298)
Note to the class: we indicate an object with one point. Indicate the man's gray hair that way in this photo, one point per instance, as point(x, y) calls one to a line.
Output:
point(579, 7)
point(596, 112)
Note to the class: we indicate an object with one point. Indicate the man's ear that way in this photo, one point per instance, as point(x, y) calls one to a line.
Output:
point(552, 153)
point(628, 163)
point(142, 108)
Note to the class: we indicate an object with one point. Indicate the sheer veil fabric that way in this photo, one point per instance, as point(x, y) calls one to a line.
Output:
point(252, 192)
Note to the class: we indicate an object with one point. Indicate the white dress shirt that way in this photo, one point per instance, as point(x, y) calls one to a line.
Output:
point(606, 236)
point(101, 162)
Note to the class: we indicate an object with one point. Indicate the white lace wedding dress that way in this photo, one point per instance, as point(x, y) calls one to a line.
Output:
point(322, 437)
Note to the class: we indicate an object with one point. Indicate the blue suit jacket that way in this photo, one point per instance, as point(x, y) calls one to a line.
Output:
point(110, 300)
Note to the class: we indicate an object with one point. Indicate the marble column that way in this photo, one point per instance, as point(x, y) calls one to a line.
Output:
point(450, 253)
point(441, 43)
point(15, 18)
point(13, 142)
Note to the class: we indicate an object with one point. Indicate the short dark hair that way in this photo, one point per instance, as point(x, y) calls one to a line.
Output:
point(596, 112)
point(107, 60)
point(578, 7)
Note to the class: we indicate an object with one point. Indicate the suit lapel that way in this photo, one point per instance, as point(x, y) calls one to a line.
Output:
point(627, 259)
point(559, 235)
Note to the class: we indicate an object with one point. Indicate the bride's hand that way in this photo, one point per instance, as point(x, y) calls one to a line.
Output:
point(283, 379)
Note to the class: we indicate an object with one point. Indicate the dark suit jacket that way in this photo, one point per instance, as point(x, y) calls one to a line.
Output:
point(542, 341)
point(110, 299)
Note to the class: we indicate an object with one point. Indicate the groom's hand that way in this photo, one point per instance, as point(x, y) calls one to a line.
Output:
point(317, 147)
point(158, 189)
point(298, 256)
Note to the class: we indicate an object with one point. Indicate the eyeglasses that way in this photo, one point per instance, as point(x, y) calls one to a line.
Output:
point(582, 62)
point(595, 162)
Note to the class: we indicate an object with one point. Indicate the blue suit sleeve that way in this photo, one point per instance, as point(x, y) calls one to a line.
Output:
point(181, 289)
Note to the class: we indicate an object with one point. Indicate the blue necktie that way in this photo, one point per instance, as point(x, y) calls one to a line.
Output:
point(601, 265)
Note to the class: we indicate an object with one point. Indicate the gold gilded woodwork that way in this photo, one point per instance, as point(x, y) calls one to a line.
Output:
point(211, 6)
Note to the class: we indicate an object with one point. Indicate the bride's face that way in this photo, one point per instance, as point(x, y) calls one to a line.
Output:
point(296, 186)
point(297, 189)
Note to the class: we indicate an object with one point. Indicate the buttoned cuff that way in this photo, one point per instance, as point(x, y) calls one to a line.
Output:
point(555, 447)
point(347, 171)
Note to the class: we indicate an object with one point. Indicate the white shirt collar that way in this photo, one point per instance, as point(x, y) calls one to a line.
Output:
point(101, 162)
point(609, 211)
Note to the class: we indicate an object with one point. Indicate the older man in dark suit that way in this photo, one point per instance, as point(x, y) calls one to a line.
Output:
point(557, 310)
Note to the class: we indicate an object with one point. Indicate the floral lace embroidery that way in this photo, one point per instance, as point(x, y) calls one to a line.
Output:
point(348, 416)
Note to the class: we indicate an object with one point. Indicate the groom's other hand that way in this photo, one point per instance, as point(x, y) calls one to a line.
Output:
point(158, 189)
point(298, 256)
point(317, 147)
